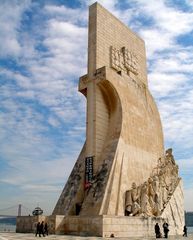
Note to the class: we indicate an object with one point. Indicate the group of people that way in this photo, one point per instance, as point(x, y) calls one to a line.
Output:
point(41, 229)
point(166, 230)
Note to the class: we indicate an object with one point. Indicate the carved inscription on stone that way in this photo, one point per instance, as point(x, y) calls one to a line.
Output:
point(124, 60)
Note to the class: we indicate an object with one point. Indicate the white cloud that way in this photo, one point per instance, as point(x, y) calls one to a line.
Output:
point(167, 24)
point(167, 18)
point(26, 94)
point(10, 20)
point(44, 96)
point(64, 13)
point(163, 84)
point(177, 115)
point(186, 164)
point(60, 29)
point(156, 40)
point(22, 81)
point(189, 3)
point(173, 64)
point(170, 68)
point(53, 122)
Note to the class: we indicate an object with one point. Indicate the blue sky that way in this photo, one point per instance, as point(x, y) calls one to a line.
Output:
point(43, 52)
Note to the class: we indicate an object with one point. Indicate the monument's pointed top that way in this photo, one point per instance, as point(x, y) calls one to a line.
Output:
point(107, 35)
point(98, 5)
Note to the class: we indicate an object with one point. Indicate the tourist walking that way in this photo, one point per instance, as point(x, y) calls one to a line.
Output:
point(157, 231)
point(38, 230)
point(166, 229)
point(185, 231)
point(46, 229)
point(42, 229)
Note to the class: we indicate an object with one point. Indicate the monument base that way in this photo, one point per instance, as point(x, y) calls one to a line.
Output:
point(101, 226)
point(105, 226)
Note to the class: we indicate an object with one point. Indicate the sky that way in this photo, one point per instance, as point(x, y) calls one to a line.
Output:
point(43, 52)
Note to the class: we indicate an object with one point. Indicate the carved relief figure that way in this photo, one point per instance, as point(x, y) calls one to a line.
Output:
point(152, 196)
point(144, 199)
point(151, 192)
point(98, 181)
point(71, 189)
point(136, 208)
point(128, 203)
point(132, 198)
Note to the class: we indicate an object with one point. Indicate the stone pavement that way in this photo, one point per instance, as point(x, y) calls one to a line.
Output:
point(29, 236)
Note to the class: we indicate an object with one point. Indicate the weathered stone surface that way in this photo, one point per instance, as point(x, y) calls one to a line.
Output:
point(152, 197)
point(123, 182)
point(73, 192)
point(124, 133)
point(27, 224)
point(174, 210)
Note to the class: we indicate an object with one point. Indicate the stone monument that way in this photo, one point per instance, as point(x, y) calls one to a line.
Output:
point(123, 181)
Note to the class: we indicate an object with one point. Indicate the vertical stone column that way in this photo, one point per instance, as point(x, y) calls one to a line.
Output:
point(91, 119)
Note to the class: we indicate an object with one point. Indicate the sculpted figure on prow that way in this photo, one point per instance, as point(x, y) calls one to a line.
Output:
point(132, 201)
point(151, 197)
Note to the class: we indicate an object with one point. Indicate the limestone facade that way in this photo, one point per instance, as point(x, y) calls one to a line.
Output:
point(124, 133)
point(123, 181)
point(131, 173)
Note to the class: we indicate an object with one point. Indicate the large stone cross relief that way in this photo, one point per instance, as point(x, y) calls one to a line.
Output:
point(124, 60)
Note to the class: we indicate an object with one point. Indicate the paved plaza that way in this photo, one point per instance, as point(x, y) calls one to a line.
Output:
point(29, 236)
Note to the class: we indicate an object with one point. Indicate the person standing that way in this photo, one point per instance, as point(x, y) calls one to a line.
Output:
point(166, 229)
point(185, 231)
point(157, 231)
point(38, 229)
point(46, 229)
point(42, 229)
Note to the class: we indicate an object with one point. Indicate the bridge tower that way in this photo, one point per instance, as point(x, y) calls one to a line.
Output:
point(19, 210)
